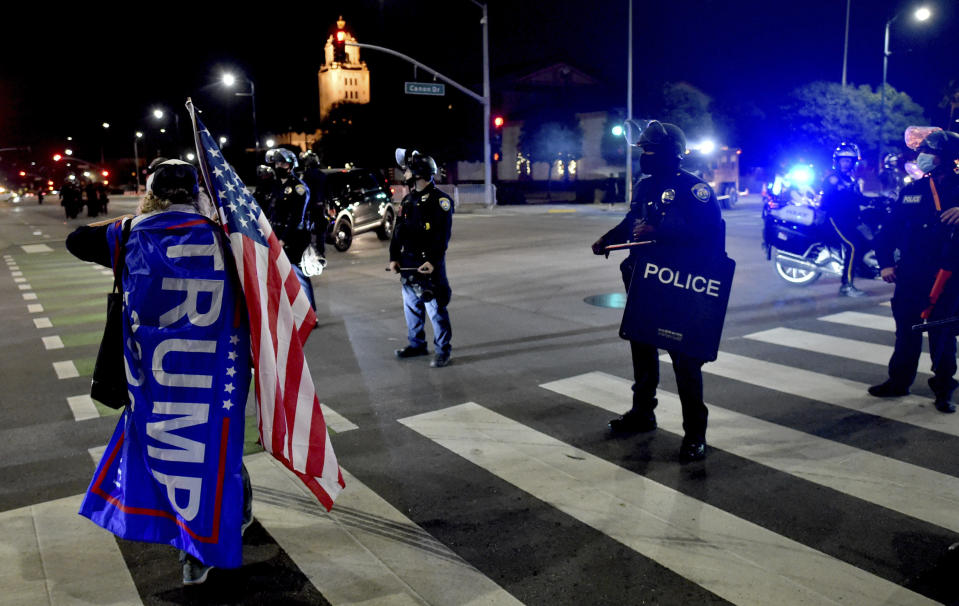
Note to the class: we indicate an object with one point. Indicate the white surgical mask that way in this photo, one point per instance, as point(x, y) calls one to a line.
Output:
point(926, 162)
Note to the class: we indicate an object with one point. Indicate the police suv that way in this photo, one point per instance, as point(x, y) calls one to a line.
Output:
point(357, 200)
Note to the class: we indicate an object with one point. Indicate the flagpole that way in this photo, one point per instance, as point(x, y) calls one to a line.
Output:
point(201, 160)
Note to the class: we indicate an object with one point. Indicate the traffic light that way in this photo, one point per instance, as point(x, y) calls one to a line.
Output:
point(498, 121)
point(57, 157)
point(23, 173)
point(339, 46)
point(496, 138)
point(105, 173)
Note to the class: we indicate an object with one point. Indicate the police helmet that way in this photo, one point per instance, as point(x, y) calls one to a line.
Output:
point(423, 167)
point(264, 172)
point(942, 143)
point(309, 159)
point(846, 150)
point(663, 137)
point(280, 154)
point(173, 177)
point(151, 168)
point(891, 161)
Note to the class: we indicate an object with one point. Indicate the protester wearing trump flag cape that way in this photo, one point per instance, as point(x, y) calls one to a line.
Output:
point(678, 280)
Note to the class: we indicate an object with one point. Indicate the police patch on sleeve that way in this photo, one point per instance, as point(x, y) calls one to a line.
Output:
point(445, 203)
point(701, 191)
point(300, 190)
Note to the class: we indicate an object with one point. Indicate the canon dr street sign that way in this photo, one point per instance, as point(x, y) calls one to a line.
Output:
point(425, 88)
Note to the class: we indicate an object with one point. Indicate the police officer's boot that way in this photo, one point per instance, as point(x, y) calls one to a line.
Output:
point(848, 290)
point(943, 393)
point(411, 352)
point(693, 449)
point(635, 421)
point(888, 389)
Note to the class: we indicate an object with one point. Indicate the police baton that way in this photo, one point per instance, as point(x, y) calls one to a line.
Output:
point(404, 269)
point(629, 245)
point(952, 322)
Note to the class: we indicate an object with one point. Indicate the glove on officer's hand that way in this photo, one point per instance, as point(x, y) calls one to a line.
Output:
point(888, 274)
point(599, 248)
point(642, 229)
point(426, 268)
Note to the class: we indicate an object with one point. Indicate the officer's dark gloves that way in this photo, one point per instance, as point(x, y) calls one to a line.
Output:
point(599, 248)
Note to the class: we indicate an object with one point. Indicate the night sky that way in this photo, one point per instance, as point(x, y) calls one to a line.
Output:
point(66, 71)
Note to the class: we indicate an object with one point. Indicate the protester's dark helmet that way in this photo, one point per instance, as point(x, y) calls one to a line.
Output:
point(309, 159)
point(174, 178)
point(264, 172)
point(891, 161)
point(422, 167)
point(280, 154)
point(942, 143)
point(663, 137)
point(846, 150)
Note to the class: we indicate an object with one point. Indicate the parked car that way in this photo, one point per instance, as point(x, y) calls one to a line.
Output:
point(358, 200)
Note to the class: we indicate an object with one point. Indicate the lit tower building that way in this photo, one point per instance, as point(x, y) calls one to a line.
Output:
point(343, 77)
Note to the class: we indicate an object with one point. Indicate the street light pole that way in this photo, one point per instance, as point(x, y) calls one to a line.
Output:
point(629, 105)
point(228, 80)
point(845, 45)
point(882, 91)
point(136, 160)
point(487, 152)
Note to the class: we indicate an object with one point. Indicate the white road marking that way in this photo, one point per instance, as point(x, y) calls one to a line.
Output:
point(825, 344)
point(65, 369)
point(24, 287)
point(82, 407)
point(389, 559)
point(862, 320)
point(35, 308)
point(19, 280)
point(836, 391)
point(36, 248)
point(16, 274)
point(910, 489)
point(96, 453)
point(736, 559)
point(29, 296)
point(53, 342)
point(335, 420)
point(38, 233)
point(50, 555)
point(42, 323)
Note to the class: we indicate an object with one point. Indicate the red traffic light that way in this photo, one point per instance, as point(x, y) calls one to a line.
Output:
point(105, 173)
point(498, 121)
point(340, 35)
point(23, 173)
point(57, 157)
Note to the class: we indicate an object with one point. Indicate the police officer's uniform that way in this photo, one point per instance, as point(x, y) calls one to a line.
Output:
point(688, 222)
point(841, 198)
point(925, 245)
point(422, 235)
point(287, 210)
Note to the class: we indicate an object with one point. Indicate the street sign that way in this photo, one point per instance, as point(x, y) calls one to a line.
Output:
point(425, 88)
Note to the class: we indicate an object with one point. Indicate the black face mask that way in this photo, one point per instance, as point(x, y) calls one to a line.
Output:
point(280, 172)
point(657, 163)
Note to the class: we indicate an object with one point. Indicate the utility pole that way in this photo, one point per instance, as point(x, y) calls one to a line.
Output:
point(629, 105)
point(845, 46)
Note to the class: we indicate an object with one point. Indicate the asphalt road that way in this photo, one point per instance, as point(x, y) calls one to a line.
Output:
point(801, 456)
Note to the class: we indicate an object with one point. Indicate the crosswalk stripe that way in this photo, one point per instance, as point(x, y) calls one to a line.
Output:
point(50, 555)
point(836, 391)
point(856, 318)
point(53, 342)
point(365, 551)
point(335, 420)
point(36, 248)
point(910, 489)
point(35, 308)
point(66, 369)
point(24, 287)
point(825, 344)
point(29, 296)
point(82, 407)
point(679, 532)
point(16, 274)
point(19, 280)
point(42, 323)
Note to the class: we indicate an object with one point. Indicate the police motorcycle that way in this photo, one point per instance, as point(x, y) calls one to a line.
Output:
point(798, 238)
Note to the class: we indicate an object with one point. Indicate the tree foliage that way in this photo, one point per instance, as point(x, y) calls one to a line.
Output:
point(547, 137)
point(688, 108)
point(821, 115)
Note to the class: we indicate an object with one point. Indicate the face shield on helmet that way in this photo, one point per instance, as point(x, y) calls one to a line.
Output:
point(890, 161)
point(309, 159)
point(915, 135)
point(846, 150)
point(280, 154)
point(402, 157)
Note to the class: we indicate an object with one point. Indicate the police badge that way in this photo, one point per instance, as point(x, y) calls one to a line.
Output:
point(445, 203)
point(668, 196)
point(701, 191)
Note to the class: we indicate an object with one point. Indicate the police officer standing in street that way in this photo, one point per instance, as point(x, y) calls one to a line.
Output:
point(287, 210)
point(922, 230)
point(680, 213)
point(841, 198)
point(315, 179)
point(418, 254)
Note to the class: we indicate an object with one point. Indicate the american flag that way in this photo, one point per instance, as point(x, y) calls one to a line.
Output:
point(289, 416)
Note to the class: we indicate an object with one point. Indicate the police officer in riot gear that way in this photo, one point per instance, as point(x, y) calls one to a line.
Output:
point(841, 199)
point(680, 212)
point(264, 185)
point(418, 254)
point(286, 208)
point(922, 228)
point(891, 177)
point(315, 179)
